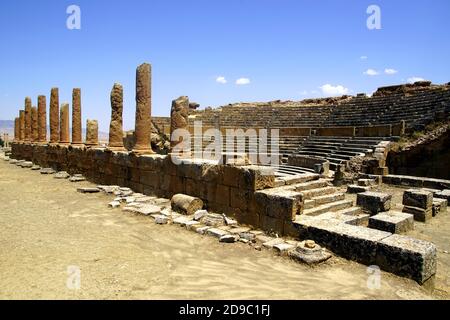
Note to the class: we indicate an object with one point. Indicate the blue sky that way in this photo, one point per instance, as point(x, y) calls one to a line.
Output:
point(287, 49)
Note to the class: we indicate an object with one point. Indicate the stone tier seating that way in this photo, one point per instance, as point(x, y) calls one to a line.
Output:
point(338, 150)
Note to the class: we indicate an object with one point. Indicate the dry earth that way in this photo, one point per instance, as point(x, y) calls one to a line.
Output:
point(46, 226)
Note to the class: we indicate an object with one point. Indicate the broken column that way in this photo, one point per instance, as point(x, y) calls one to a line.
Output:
point(185, 204)
point(91, 132)
point(64, 132)
point(21, 125)
point(54, 115)
point(42, 119)
point(34, 124)
point(143, 110)
point(115, 127)
point(27, 119)
point(179, 114)
point(76, 117)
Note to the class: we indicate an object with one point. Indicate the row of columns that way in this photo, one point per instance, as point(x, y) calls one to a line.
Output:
point(31, 125)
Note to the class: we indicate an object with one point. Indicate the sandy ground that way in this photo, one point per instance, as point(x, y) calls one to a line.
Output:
point(46, 227)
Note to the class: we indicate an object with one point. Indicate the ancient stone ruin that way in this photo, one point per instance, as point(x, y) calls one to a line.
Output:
point(324, 190)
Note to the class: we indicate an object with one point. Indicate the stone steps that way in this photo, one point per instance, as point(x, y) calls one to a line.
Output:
point(320, 200)
point(329, 207)
point(311, 185)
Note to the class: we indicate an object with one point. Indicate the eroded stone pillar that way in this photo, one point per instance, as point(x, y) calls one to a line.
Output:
point(27, 119)
point(143, 110)
point(116, 125)
point(91, 132)
point(179, 120)
point(42, 119)
point(21, 125)
point(34, 124)
point(76, 116)
point(64, 133)
point(16, 129)
point(54, 115)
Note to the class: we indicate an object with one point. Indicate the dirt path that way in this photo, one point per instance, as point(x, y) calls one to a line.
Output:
point(46, 226)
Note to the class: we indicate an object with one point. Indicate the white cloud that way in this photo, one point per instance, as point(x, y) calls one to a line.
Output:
point(242, 81)
point(329, 90)
point(371, 72)
point(390, 71)
point(363, 57)
point(415, 79)
point(221, 80)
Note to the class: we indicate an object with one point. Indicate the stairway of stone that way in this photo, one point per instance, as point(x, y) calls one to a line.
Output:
point(321, 197)
point(338, 150)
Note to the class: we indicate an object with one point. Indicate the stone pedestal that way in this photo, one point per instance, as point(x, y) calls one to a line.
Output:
point(21, 125)
point(116, 126)
point(64, 136)
point(54, 115)
point(34, 124)
point(91, 133)
point(42, 119)
point(143, 110)
point(76, 117)
point(27, 119)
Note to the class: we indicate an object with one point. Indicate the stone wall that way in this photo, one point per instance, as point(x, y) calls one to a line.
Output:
point(223, 188)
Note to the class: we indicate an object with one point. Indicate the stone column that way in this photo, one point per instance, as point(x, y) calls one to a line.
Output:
point(76, 117)
point(179, 120)
point(34, 124)
point(115, 127)
point(91, 133)
point(42, 119)
point(143, 110)
point(54, 115)
point(16, 129)
point(64, 133)
point(27, 119)
point(21, 125)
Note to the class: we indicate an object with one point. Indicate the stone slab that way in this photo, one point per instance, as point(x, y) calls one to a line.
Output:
point(392, 221)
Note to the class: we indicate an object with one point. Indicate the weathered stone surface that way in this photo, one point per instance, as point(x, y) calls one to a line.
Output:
point(306, 253)
point(114, 204)
point(27, 119)
point(116, 124)
point(35, 168)
point(271, 243)
point(64, 133)
point(143, 109)
point(91, 132)
point(179, 120)
point(229, 221)
point(374, 202)
point(229, 238)
point(185, 204)
point(407, 257)
point(42, 119)
point(182, 220)
point(439, 206)
point(444, 194)
point(143, 209)
point(213, 220)
point(392, 221)
point(418, 198)
point(353, 188)
point(47, 171)
point(215, 232)
point(76, 117)
point(246, 235)
point(61, 175)
point(366, 182)
point(279, 203)
point(54, 115)
point(16, 129)
point(88, 190)
point(421, 215)
point(283, 247)
point(26, 164)
point(77, 179)
point(34, 125)
point(199, 214)
point(161, 219)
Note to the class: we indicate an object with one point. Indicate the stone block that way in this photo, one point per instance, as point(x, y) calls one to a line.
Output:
point(239, 198)
point(392, 221)
point(230, 176)
point(444, 194)
point(366, 182)
point(215, 232)
point(281, 204)
point(418, 198)
point(439, 206)
point(271, 224)
point(222, 195)
point(256, 178)
point(407, 257)
point(374, 202)
point(421, 215)
point(353, 188)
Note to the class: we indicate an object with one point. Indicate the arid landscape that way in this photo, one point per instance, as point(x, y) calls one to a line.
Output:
point(48, 226)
